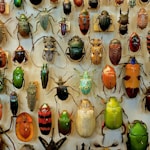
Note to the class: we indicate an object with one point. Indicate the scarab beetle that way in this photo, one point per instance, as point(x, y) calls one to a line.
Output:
point(35, 2)
point(85, 119)
point(67, 7)
point(27, 147)
point(115, 50)
point(3, 58)
point(24, 127)
point(93, 3)
point(76, 49)
point(104, 20)
point(137, 136)
point(18, 77)
point(45, 119)
point(64, 122)
point(84, 21)
point(134, 42)
point(44, 76)
point(20, 55)
point(148, 41)
point(2, 6)
point(78, 3)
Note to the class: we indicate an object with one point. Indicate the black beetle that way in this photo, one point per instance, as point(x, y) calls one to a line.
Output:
point(93, 3)
point(147, 99)
point(67, 7)
point(35, 2)
point(123, 29)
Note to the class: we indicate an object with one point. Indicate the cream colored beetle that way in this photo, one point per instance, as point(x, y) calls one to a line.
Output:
point(85, 119)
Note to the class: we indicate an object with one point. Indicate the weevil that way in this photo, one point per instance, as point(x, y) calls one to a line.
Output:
point(52, 145)
point(44, 18)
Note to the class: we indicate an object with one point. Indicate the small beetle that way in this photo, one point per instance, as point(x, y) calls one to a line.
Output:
point(84, 21)
point(134, 42)
point(24, 127)
point(44, 75)
point(35, 2)
point(148, 41)
point(67, 7)
point(27, 147)
point(64, 122)
point(142, 19)
point(3, 58)
point(45, 119)
point(2, 6)
point(96, 50)
point(119, 1)
point(20, 55)
point(115, 51)
point(78, 3)
point(137, 136)
point(18, 3)
point(18, 77)
point(124, 19)
point(132, 3)
point(52, 145)
point(2, 81)
point(93, 3)
point(123, 29)
point(76, 49)
point(104, 20)
point(147, 99)
point(32, 94)
point(85, 119)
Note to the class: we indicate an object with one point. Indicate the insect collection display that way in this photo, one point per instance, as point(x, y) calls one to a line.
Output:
point(74, 74)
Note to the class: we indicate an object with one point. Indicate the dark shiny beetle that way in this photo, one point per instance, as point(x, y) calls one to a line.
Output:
point(35, 2)
point(2, 6)
point(3, 58)
point(93, 3)
point(123, 29)
point(44, 75)
point(147, 99)
point(148, 41)
point(67, 7)
point(63, 26)
point(20, 55)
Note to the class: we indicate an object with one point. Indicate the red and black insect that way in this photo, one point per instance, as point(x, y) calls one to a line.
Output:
point(148, 41)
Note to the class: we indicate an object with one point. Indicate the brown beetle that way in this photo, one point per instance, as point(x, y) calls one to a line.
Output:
point(142, 19)
point(78, 3)
point(96, 51)
point(2, 6)
point(119, 1)
point(3, 58)
point(115, 51)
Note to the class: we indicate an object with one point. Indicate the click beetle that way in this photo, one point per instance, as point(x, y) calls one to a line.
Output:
point(35, 2)
point(44, 76)
point(67, 7)
point(3, 58)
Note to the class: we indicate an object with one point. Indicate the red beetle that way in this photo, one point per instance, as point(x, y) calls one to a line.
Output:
point(2, 6)
point(3, 58)
point(78, 3)
point(119, 1)
point(134, 42)
point(24, 127)
point(44, 119)
point(84, 21)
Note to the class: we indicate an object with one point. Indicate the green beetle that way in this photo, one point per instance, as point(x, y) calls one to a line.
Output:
point(137, 136)
point(64, 122)
point(44, 76)
point(18, 77)
point(18, 3)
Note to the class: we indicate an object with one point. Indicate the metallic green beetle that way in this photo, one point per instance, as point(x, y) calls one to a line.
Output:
point(44, 75)
point(18, 77)
point(18, 3)
point(137, 136)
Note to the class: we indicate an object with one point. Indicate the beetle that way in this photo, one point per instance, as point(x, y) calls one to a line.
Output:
point(144, 1)
point(44, 76)
point(3, 58)
point(20, 55)
point(78, 3)
point(44, 18)
point(24, 127)
point(84, 21)
point(67, 7)
point(147, 99)
point(32, 94)
point(18, 3)
point(142, 19)
point(124, 19)
point(83, 147)
point(134, 42)
point(64, 122)
point(35, 2)
point(45, 119)
point(104, 20)
point(27, 147)
point(76, 49)
point(115, 51)
point(1, 110)
point(85, 119)
point(2, 6)
point(93, 3)
point(18, 77)
point(54, 1)
point(148, 41)
point(137, 136)
point(123, 29)
point(119, 2)
point(96, 50)
point(52, 145)
point(132, 3)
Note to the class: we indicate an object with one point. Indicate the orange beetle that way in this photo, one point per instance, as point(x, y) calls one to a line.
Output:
point(109, 77)
point(24, 127)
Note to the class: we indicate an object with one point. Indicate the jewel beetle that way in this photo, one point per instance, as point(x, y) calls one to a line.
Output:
point(148, 41)
point(63, 26)
point(3, 58)
point(76, 50)
point(44, 75)
point(24, 127)
point(93, 3)
point(64, 122)
point(18, 3)
point(45, 119)
point(67, 7)
point(2, 6)
point(85, 118)
point(18, 77)
point(78, 3)
point(137, 136)
point(35, 2)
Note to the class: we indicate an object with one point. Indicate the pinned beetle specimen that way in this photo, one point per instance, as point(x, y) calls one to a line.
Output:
point(93, 3)
point(20, 55)
point(52, 145)
point(3, 58)
point(18, 3)
point(85, 119)
point(2, 6)
point(142, 19)
point(24, 127)
point(35, 2)
point(147, 99)
point(32, 94)
point(119, 1)
point(76, 49)
point(84, 21)
point(132, 3)
point(27, 147)
point(45, 119)
point(67, 7)
point(148, 41)
point(44, 75)
point(115, 50)
point(44, 18)
point(78, 3)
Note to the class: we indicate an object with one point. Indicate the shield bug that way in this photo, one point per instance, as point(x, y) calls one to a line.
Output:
point(2, 6)
point(24, 127)
point(18, 77)
point(85, 119)
point(96, 50)
point(134, 42)
point(115, 50)
point(64, 122)
point(124, 19)
point(52, 145)
point(45, 119)
point(148, 41)
point(132, 3)
point(67, 7)
point(35, 2)
point(93, 3)
point(78, 3)
point(137, 136)
point(76, 49)
point(27, 147)
point(104, 20)
point(44, 75)
point(20, 55)
point(84, 21)
point(142, 19)
point(3, 58)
